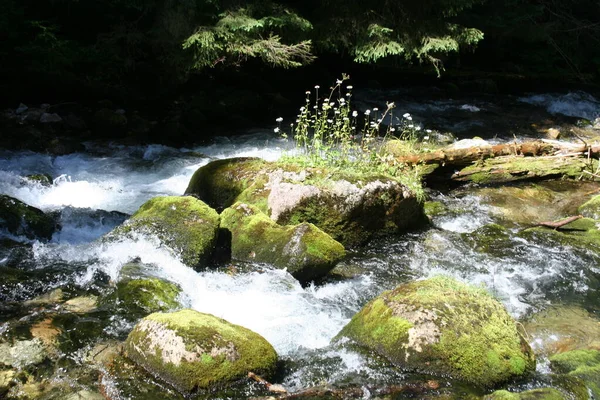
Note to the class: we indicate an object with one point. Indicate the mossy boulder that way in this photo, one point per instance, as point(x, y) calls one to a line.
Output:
point(492, 239)
point(349, 207)
point(185, 224)
point(220, 182)
point(535, 394)
point(591, 208)
point(443, 327)
point(195, 351)
point(42, 179)
point(583, 364)
point(306, 251)
point(140, 297)
point(22, 219)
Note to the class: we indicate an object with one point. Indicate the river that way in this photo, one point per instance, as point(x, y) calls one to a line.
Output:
point(94, 191)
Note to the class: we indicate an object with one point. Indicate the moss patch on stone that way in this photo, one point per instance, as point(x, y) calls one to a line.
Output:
point(140, 297)
point(306, 251)
point(219, 182)
point(192, 350)
point(444, 327)
point(185, 224)
point(591, 208)
point(19, 218)
point(582, 233)
point(510, 169)
point(535, 394)
point(583, 364)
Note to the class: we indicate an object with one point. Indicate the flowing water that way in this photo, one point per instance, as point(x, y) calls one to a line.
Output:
point(95, 191)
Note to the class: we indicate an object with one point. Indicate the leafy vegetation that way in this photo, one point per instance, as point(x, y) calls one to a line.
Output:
point(328, 132)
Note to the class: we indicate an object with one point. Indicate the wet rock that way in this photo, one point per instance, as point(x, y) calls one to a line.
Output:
point(583, 233)
point(108, 122)
point(81, 304)
point(140, 297)
point(591, 208)
point(53, 297)
point(42, 179)
point(583, 364)
point(21, 109)
point(6, 380)
point(185, 224)
point(103, 354)
point(492, 239)
point(48, 118)
point(350, 207)
point(562, 328)
point(22, 353)
point(21, 219)
point(306, 251)
point(46, 332)
point(84, 395)
point(444, 327)
point(535, 394)
point(192, 350)
point(74, 122)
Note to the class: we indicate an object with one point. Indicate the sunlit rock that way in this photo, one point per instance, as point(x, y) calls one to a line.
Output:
point(194, 351)
point(443, 327)
point(583, 364)
point(534, 394)
point(21, 219)
point(183, 223)
point(306, 251)
point(22, 353)
point(348, 206)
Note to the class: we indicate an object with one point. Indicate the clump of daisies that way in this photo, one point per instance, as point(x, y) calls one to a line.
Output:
point(327, 131)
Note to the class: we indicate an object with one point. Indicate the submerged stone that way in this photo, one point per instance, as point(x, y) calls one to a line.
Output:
point(582, 233)
point(186, 225)
point(306, 251)
point(195, 351)
point(443, 327)
point(583, 364)
point(22, 219)
point(81, 304)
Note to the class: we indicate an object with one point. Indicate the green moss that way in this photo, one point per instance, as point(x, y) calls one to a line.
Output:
point(140, 297)
point(583, 233)
point(185, 224)
point(216, 352)
point(42, 179)
point(508, 169)
point(433, 208)
point(306, 251)
point(218, 183)
point(21, 219)
point(458, 330)
point(535, 394)
point(583, 364)
point(591, 208)
point(491, 239)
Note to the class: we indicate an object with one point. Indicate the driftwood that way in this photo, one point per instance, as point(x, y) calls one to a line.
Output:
point(465, 156)
point(560, 223)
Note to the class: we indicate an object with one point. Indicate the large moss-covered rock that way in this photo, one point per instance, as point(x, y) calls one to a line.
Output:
point(185, 224)
point(583, 364)
point(191, 350)
point(349, 207)
point(306, 251)
point(443, 327)
point(22, 219)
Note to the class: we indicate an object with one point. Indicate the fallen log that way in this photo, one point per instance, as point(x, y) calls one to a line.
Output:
point(558, 224)
point(460, 156)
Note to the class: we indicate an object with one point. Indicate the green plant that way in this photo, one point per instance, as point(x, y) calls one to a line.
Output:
point(328, 133)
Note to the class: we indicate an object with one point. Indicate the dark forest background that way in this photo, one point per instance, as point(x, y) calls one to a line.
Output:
point(218, 56)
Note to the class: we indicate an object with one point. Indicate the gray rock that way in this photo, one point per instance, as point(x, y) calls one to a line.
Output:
point(48, 118)
point(21, 109)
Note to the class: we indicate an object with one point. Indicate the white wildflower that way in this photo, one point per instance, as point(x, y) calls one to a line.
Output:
point(338, 82)
point(279, 119)
point(302, 109)
point(425, 137)
point(317, 86)
point(276, 130)
point(349, 87)
point(375, 109)
point(367, 112)
point(392, 129)
point(406, 115)
point(411, 126)
point(409, 118)
point(355, 114)
point(330, 121)
point(428, 130)
point(418, 128)
point(337, 111)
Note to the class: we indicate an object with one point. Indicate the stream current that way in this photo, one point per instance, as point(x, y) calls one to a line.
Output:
point(95, 191)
